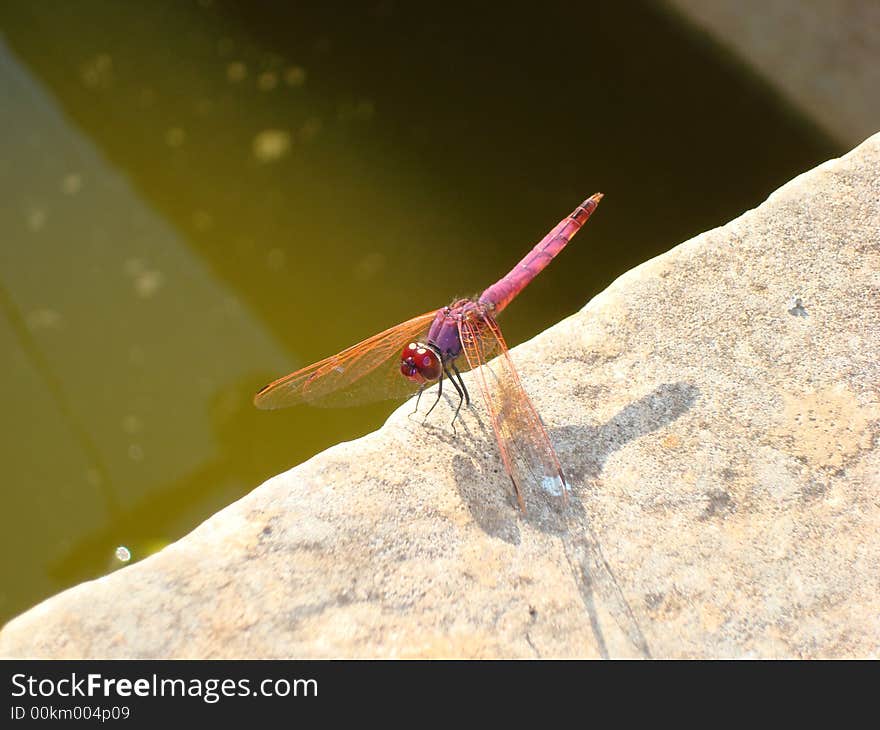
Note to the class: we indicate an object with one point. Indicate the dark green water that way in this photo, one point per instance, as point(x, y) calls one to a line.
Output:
point(196, 197)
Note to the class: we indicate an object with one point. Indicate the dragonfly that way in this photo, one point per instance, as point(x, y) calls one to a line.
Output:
point(436, 347)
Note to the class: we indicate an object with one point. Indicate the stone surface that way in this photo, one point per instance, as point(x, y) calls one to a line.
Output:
point(717, 412)
point(823, 56)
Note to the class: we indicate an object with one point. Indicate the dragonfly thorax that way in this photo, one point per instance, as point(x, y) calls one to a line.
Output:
point(420, 362)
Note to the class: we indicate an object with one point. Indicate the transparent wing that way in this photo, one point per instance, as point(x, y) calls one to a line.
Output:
point(367, 371)
point(525, 447)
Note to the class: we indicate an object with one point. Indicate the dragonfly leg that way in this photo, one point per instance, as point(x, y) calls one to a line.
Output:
point(467, 398)
point(437, 399)
point(462, 393)
point(418, 398)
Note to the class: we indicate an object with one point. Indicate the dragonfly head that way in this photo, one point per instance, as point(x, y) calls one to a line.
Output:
point(420, 362)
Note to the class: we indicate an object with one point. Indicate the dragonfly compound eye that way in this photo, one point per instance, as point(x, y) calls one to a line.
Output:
point(420, 363)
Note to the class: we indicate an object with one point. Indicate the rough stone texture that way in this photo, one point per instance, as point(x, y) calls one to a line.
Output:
point(824, 56)
point(717, 411)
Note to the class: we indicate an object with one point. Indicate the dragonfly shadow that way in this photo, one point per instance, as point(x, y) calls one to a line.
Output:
point(651, 412)
point(583, 451)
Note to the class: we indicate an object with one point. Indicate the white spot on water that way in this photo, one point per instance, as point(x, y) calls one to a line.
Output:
point(295, 76)
point(147, 283)
point(131, 424)
point(122, 554)
point(276, 259)
point(175, 136)
point(36, 218)
point(40, 319)
point(71, 184)
point(267, 81)
point(271, 145)
point(236, 71)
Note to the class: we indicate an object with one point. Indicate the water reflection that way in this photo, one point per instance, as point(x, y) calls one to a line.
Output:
point(120, 343)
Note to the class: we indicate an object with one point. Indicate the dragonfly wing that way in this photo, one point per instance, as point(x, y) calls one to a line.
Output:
point(526, 450)
point(367, 371)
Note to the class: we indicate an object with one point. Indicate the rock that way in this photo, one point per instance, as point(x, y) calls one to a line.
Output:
point(717, 412)
point(822, 56)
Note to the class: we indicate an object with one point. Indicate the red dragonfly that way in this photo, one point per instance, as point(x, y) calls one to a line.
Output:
point(414, 354)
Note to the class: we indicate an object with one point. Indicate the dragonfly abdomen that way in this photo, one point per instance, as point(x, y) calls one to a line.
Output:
point(501, 293)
